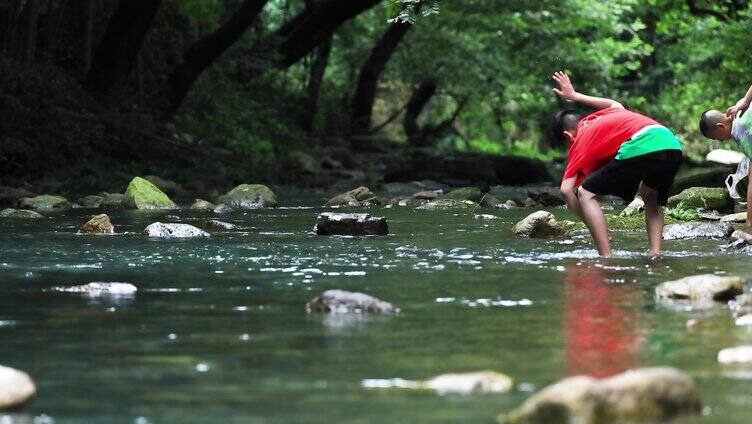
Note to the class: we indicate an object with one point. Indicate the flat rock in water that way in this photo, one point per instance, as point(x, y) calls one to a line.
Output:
point(706, 287)
point(641, 395)
point(350, 224)
point(20, 213)
point(16, 388)
point(202, 205)
point(45, 202)
point(98, 224)
point(143, 195)
point(344, 302)
point(100, 289)
point(539, 224)
point(690, 230)
point(249, 196)
point(442, 204)
point(214, 224)
point(735, 217)
point(735, 355)
point(463, 383)
point(162, 230)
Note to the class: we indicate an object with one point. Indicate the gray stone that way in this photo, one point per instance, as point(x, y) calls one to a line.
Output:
point(546, 196)
point(19, 214)
point(690, 230)
point(735, 217)
point(45, 202)
point(350, 224)
point(540, 224)
point(222, 208)
point(529, 203)
point(426, 195)
point(707, 287)
point(641, 395)
point(472, 194)
point(162, 230)
point(249, 196)
point(441, 204)
point(112, 200)
point(353, 197)
point(635, 207)
point(98, 224)
point(202, 205)
point(91, 202)
point(344, 302)
point(509, 204)
point(16, 388)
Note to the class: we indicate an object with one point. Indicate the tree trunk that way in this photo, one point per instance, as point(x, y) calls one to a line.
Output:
point(116, 53)
point(304, 32)
point(368, 80)
point(315, 80)
point(418, 101)
point(205, 51)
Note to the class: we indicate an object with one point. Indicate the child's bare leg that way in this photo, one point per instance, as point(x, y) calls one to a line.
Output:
point(653, 218)
point(595, 221)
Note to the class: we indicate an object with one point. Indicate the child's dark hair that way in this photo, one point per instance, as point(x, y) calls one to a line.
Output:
point(565, 120)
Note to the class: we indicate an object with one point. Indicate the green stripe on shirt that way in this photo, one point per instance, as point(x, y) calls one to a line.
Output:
point(648, 140)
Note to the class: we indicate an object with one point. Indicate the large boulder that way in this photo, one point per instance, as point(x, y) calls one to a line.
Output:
point(442, 204)
point(354, 197)
point(641, 395)
point(707, 287)
point(344, 302)
point(162, 230)
point(143, 195)
point(249, 196)
point(546, 196)
point(98, 224)
point(202, 205)
point(464, 383)
point(472, 194)
point(45, 202)
point(19, 213)
point(540, 224)
point(690, 230)
point(16, 388)
point(702, 198)
point(350, 224)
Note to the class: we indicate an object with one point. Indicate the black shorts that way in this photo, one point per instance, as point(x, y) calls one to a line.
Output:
point(622, 178)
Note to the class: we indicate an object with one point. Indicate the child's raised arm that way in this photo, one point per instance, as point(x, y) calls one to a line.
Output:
point(567, 92)
point(742, 104)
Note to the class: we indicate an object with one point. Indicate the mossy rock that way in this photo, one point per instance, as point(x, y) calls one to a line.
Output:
point(143, 195)
point(249, 196)
point(708, 198)
point(44, 202)
point(466, 193)
point(19, 213)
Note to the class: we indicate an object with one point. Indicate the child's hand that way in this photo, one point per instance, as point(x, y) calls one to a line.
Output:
point(741, 105)
point(565, 90)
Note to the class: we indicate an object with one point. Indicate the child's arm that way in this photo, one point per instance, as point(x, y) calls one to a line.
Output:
point(566, 91)
point(742, 104)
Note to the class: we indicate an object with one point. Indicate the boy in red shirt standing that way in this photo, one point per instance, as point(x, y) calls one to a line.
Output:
point(611, 152)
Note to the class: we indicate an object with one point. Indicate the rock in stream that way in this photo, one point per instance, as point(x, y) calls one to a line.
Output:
point(690, 230)
point(540, 224)
point(344, 302)
point(143, 195)
point(98, 224)
point(350, 224)
point(697, 288)
point(162, 230)
point(20, 214)
point(16, 388)
point(249, 196)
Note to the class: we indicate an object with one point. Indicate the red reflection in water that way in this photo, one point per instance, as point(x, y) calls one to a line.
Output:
point(599, 323)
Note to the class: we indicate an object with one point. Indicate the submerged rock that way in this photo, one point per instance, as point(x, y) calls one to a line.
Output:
point(705, 287)
point(646, 394)
point(143, 195)
point(162, 230)
point(539, 224)
point(98, 224)
point(472, 194)
point(20, 213)
point(441, 204)
point(16, 388)
point(702, 198)
point(45, 202)
point(546, 196)
point(344, 302)
point(735, 355)
point(464, 383)
point(112, 200)
point(735, 217)
point(249, 196)
point(100, 289)
point(214, 224)
point(202, 205)
point(350, 224)
point(635, 207)
point(689, 230)
point(91, 202)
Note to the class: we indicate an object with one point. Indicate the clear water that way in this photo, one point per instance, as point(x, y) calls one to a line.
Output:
point(217, 331)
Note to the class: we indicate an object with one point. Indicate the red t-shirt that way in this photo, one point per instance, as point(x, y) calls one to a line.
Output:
point(599, 137)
